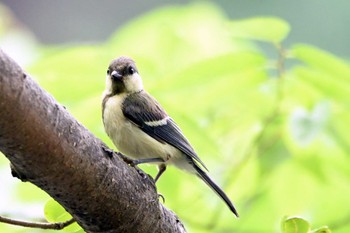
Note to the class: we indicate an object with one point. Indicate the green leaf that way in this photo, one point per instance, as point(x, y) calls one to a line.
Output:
point(54, 212)
point(324, 229)
point(273, 155)
point(323, 72)
point(33, 193)
point(226, 80)
point(270, 29)
point(340, 130)
point(67, 75)
point(329, 86)
point(322, 61)
point(175, 36)
point(295, 225)
point(212, 69)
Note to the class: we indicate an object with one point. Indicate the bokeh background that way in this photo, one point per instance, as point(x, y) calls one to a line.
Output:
point(270, 122)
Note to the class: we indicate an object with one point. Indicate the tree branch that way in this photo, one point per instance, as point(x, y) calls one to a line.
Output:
point(49, 148)
point(41, 225)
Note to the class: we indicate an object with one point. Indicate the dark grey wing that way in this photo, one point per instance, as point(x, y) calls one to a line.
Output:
point(171, 134)
point(143, 110)
point(140, 108)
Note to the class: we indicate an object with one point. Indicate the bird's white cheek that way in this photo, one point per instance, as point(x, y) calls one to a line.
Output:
point(134, 83)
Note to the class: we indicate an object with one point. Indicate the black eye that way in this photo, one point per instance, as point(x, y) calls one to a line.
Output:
point(108, 71)
point(131, 70)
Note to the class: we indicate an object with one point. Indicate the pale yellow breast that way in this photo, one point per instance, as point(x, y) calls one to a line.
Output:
point(128, 138)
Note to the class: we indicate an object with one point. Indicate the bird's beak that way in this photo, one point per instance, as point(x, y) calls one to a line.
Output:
point(116, 76)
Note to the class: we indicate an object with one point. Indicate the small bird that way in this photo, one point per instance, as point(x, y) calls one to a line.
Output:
point(142, 130)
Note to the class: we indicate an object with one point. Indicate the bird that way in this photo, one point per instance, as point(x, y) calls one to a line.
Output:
point(142, 130)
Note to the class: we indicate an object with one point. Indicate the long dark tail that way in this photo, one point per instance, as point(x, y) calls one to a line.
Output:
point(216, 188)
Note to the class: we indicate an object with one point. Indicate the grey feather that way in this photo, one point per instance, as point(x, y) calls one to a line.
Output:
point(141, 108)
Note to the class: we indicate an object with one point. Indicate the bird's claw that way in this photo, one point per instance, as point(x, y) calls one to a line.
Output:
point(108, 151)
point(162, 197)
point(126, 159)
point(132, 163)
point(141, 173)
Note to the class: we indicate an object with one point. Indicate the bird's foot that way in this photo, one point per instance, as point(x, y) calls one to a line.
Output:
point(108, 151)
point(126, 159)
point(131, 162)
point(141, 173)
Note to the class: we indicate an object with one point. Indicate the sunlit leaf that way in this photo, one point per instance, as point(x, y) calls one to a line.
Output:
point(269, 29)
point(295, 225)
point(340, 130)
point(54, 212)
point(322, 230)
point(213, 69)
point(330, 86)
point(64, 73)
point(323, 61)
point(33, 193)
point(272, 151)
point(176, 37)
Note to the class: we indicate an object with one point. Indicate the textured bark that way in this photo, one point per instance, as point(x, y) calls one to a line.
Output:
point(49, 148)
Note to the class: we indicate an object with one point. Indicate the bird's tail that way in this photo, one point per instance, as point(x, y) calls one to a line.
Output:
point(203, 175)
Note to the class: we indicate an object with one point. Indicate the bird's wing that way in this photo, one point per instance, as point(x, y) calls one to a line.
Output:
point(144, 111)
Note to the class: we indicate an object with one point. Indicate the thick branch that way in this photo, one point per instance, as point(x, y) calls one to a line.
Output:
point(48, 147)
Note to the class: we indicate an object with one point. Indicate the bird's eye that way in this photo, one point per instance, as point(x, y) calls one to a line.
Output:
point(108, 71)
point(131, 70)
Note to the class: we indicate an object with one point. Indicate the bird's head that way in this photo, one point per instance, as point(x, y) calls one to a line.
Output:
point(123, 77)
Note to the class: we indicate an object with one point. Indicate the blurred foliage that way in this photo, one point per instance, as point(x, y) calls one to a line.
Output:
point(54, 212)
point(271, 127)
point(299, 225)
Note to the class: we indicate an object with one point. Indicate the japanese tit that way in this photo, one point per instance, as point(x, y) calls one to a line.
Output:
point(141, 129)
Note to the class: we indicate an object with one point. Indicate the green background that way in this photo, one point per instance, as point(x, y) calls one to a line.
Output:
point(270, 121)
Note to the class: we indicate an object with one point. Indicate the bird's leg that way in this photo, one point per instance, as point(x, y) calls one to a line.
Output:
point(148, 160)
point(110, 154)
point(136, 162)
point(162, 169)
point(125, 159)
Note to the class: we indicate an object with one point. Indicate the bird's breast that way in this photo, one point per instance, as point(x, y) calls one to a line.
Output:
point(129, 138)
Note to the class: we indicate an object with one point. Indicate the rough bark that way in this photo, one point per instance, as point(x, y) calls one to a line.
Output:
point(49, 148)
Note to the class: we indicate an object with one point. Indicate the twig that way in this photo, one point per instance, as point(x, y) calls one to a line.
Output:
point(52, 226)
